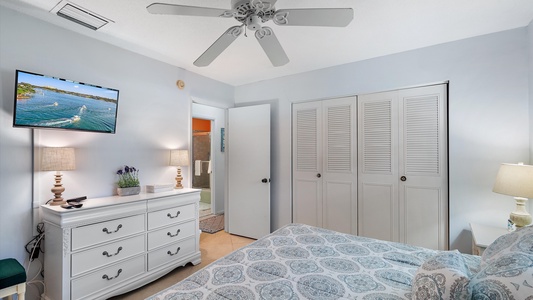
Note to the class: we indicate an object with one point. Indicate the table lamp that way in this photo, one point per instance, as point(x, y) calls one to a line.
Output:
point(57, 159)
point(516, 180)
point(179, 158)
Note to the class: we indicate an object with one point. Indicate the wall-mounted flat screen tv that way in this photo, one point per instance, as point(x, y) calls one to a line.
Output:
point(48, 102)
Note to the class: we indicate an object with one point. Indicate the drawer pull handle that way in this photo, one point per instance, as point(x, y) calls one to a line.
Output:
point(109, 278)
point(172, 254)
point(172, 217)
point(109, 232)
point(109, 255)
point(174, 235)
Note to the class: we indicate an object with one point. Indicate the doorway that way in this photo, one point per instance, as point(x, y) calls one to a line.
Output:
point(201, 166)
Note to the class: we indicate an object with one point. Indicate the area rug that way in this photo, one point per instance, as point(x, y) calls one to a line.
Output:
point(212, 224)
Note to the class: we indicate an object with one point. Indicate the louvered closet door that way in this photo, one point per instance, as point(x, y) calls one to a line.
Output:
point(378, 166)
point(325, 164)
point(403, 180)
point(423, 197)
point(307, 163)
point(340, 166)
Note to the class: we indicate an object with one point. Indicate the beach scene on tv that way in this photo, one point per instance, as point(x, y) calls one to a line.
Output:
point(56, 103)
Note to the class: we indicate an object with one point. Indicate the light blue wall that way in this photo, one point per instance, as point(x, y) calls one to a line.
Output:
point(488, 115)
point(153, 117)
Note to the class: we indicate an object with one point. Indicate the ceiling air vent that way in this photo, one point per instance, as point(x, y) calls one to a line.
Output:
point(81, 16)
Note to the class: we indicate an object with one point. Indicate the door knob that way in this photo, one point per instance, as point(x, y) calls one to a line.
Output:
point(264, 180)
point(403, 178)
point(318, 175)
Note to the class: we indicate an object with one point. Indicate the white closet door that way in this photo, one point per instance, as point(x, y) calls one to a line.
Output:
point(403, 180)
point(307, 164)
point(325, 164)
point(378, 166)
point(340, 165)
point(423, 196)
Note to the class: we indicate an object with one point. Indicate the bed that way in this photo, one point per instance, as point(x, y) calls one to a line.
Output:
point(304, 262)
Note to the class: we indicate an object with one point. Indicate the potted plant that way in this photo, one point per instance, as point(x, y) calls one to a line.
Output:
point(128, 181)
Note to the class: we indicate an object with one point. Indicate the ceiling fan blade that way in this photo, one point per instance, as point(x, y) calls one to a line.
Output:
point(218, 46)
point(270, 43)
point(182, 10)
point(334, 17)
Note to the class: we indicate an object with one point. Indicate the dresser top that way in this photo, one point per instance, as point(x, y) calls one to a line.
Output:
point(92, 203)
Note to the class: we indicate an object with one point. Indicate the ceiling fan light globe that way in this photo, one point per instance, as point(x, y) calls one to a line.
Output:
point(253, 22)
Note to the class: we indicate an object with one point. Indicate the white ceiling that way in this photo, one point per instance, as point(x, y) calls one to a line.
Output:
point(380, 27)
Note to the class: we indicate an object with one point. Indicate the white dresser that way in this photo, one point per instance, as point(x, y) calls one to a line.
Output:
point(116, 244)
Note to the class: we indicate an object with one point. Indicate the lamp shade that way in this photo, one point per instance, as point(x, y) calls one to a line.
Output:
point(179, 158)
point(514, 180)
point(58, 159)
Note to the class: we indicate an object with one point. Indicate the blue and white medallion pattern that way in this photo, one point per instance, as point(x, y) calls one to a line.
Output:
point(299, 262)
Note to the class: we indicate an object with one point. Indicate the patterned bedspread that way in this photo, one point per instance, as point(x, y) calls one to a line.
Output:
point(305, 262)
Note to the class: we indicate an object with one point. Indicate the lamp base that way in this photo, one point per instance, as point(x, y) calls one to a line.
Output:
point(520, 216)
point(58, 190)
point(178, 180)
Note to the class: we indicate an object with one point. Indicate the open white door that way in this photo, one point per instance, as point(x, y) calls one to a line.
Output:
point(248, 146)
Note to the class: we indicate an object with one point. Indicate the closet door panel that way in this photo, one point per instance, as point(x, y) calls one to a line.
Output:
point(377, 213)
point(340, 165)
point(422, 217)
point(338, 210)
point(423, 163)
point(378, 166)
point(307, 202)
point(307, 164)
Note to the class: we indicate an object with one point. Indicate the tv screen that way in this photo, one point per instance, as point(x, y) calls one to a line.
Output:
point(48, 102)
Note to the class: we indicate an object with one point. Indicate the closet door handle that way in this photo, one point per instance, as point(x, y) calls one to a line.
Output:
point(403, 178)
point(264, 180)
point(318, 175)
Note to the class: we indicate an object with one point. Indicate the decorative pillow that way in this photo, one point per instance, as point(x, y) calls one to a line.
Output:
point(520, 240)
point(443, 276)
point(508, 276)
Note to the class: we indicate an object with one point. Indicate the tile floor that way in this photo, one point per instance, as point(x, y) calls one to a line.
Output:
point(205, 209)
point(212, 246)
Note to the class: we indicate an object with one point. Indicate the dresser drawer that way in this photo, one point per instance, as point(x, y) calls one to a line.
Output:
point(170, 253)
point(106, 231)
point(170, 234)
point(171, 215)
point(106, 254)
point(107, 277)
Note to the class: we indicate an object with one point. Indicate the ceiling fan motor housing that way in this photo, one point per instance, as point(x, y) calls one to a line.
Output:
point(244, 9)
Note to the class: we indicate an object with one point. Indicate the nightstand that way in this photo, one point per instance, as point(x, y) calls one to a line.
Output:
point(483, 236)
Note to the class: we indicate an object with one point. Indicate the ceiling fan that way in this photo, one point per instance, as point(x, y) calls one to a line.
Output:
point(252, 14)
